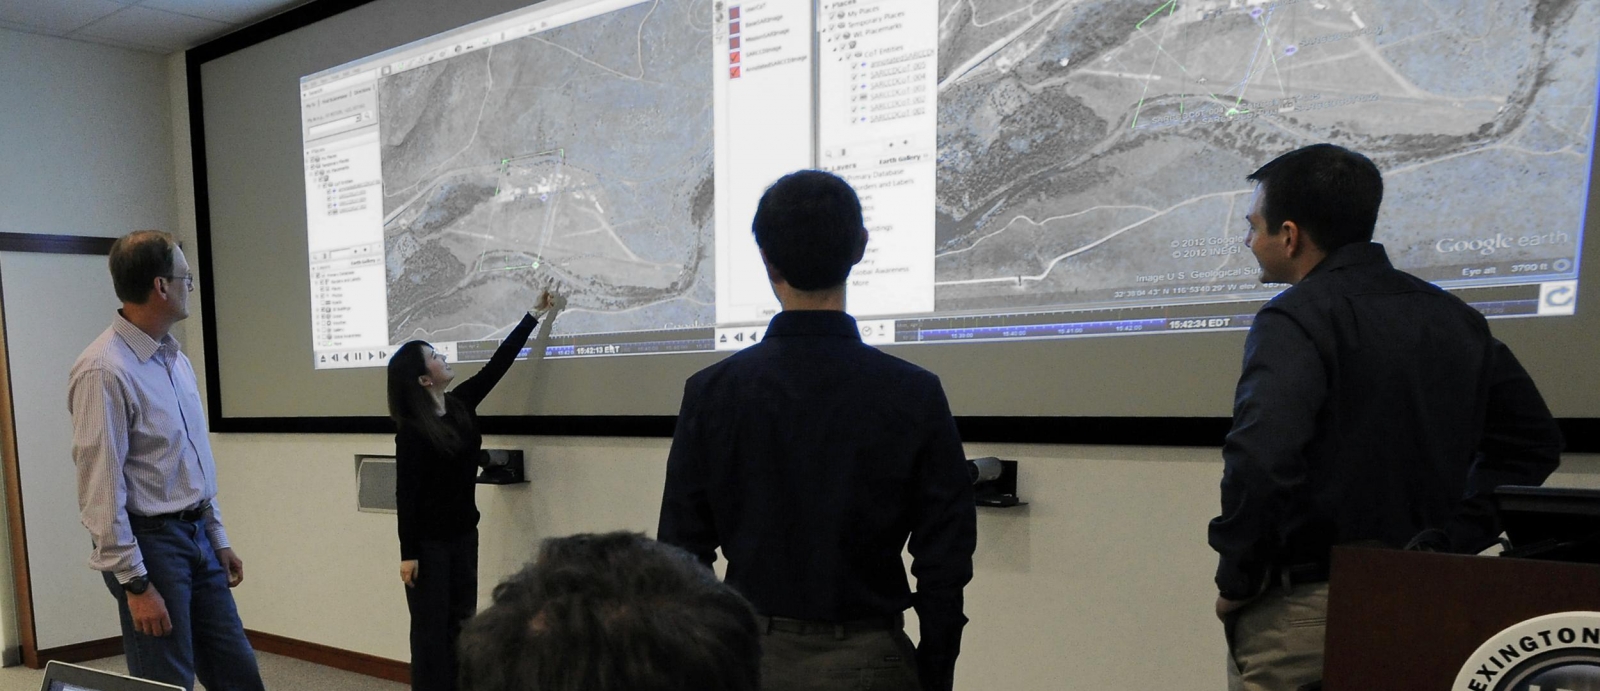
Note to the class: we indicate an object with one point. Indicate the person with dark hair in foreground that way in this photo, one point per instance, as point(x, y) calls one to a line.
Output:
point(147, 484)
point(613, 612)
point(436, 452)
point(811, 459)
point(1373, 407)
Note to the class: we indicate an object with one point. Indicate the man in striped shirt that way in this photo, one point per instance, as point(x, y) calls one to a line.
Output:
point(147, 485)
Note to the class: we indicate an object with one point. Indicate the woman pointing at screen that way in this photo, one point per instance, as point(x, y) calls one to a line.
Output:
point(436, 456)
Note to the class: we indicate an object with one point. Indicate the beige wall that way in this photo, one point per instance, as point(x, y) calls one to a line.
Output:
point(1106, 572)
point(1108, 563)
point(1104, 581)
point(84, 150)
point(84, 138)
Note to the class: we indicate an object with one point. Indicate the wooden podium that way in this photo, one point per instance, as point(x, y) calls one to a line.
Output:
point(1410, 620)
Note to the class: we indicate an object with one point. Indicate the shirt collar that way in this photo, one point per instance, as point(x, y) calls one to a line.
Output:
point(813, 323)
point(1353, 254)
point(144, 347)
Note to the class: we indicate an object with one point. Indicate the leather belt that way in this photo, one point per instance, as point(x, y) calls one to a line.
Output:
point(1301, 574)
point(186, 515)
point(837, 629)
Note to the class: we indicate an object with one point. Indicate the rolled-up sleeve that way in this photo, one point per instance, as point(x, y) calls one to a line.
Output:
point(99, 407)
point(214, 529)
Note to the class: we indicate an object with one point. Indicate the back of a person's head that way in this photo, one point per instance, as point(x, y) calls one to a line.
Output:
point(612, 612)
point(1331, 192)
point(809, 226)
point(136, 260)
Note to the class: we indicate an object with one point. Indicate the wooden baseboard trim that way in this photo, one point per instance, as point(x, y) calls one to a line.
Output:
point(78, 652)
point(349, 661)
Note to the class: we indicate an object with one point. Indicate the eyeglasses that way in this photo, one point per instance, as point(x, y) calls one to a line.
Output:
point(188, 280)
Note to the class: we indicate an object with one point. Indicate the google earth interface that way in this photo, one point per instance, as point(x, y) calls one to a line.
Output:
point(1028, 168)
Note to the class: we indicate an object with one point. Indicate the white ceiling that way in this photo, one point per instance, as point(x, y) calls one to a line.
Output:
point(156, 26)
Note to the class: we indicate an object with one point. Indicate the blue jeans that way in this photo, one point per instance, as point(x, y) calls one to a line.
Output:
point(207, 638)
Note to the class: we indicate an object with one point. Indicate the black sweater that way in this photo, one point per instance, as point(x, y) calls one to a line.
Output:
point(434, 490)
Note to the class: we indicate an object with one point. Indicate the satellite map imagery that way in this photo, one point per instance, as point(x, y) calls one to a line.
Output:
point(1094, 151)
point(579, 157)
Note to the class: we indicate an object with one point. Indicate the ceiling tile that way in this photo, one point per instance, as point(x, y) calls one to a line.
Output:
point(234, 11)
point(85, 39)
point(27, 29)
point(56, 16)
point(119, 44)
point(155, 28)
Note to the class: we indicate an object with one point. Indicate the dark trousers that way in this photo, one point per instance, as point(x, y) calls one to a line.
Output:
point(822, 657)
point(444, 597)
point(207, 639)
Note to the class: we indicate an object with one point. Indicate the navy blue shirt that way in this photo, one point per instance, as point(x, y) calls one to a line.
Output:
point(1372, 406)
point(810, 459)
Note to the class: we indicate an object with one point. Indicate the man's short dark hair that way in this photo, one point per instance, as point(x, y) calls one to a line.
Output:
point(612, 612)
point(809, 226)
point(137, 259)
point(1331, 192)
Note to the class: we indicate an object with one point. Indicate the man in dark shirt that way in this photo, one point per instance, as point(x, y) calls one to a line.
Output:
point(811, 458)
point(1373, 407)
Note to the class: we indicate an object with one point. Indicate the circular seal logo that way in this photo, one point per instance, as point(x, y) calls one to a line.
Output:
point(1555, 652)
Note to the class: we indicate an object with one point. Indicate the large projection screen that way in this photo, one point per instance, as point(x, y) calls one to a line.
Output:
point(1055, 189)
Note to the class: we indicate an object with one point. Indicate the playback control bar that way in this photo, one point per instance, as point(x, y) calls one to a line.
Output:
point(942, 330)
point(885, 332)
point(351, 359)
point(1046, 326)
point(651, 343)
point(687, 345)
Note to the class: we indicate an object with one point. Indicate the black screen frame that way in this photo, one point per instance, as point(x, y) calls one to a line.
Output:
point(1582, 434)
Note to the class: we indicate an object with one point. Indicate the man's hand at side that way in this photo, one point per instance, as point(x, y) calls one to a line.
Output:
point(233, 564)
point(150, 613)
point(1226, 606)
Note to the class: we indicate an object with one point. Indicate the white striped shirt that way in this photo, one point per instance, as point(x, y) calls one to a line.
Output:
point(139, 442)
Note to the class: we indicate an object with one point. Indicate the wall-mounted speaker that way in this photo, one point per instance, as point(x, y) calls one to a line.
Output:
point(375, 483)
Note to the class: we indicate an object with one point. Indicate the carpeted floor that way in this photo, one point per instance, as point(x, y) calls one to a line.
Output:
point(279, 673)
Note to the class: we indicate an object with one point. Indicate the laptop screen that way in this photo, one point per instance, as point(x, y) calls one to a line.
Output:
point(60, 676)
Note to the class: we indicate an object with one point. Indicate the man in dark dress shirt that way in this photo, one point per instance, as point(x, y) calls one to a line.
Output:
point(1373, 407)
point(811, 458)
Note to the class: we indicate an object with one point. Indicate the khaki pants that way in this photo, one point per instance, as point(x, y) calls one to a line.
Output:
point(827, 661)
point(1275, 642)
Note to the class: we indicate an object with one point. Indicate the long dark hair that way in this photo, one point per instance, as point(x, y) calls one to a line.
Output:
point(411, 406)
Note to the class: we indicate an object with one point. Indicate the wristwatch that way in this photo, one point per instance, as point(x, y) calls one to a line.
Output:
point(136, 585)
